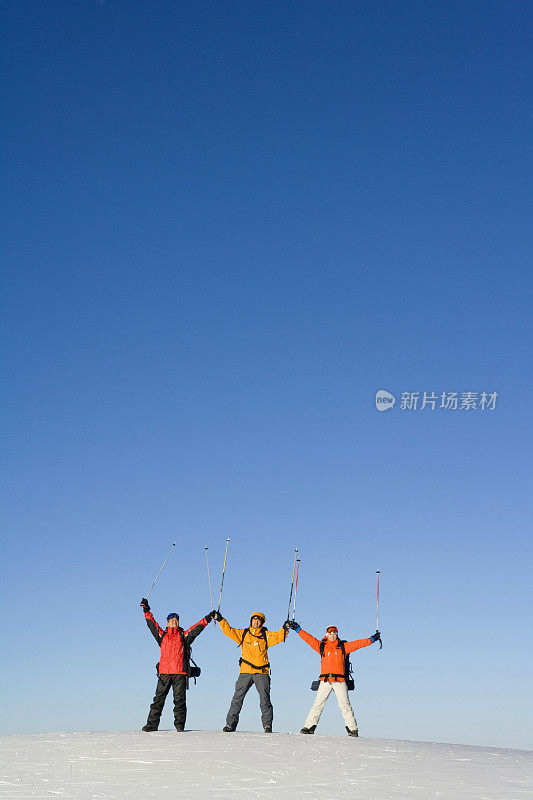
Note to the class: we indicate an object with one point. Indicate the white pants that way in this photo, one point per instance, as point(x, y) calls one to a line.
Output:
point(323, 692)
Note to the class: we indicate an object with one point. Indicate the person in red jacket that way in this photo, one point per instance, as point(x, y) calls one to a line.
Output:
point(333, 652)
point(173, 667)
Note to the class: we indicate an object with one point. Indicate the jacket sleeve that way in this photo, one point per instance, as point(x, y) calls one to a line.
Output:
point(155, 629)
point(349, 647)
point(311, 641)
point(195, 630)
point(275, 637)
point(233, 633)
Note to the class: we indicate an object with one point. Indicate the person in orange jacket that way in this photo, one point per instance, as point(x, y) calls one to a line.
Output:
point(333, 652)
point(254, 642)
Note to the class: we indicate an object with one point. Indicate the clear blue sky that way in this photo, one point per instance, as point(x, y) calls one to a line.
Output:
point(226, 226)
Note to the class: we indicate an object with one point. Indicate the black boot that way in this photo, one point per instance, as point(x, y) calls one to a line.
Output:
point(268, 728)
point(351, 733)
point(229, 728)
point(149, 728)
point(309, 730)
point(180, 728)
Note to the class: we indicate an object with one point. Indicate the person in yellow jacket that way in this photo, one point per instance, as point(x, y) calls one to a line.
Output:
point(254, 642)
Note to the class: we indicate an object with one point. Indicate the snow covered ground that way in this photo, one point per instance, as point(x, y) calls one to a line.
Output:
point(211, 765)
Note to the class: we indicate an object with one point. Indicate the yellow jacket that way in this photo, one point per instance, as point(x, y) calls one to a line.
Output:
point(254, 647)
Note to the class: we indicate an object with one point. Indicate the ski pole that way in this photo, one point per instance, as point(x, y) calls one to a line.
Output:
point(161, 570)
point(292, 584)
point(377, 603)
point(296, 587)
point(377, 610)
point(209, 577)
point(223, 573)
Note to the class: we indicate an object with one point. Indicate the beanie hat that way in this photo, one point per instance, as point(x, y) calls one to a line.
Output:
point(173, 614)
point(331, 629)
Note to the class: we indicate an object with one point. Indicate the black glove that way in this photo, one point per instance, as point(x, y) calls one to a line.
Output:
point(286, 625)
point(144, 604)
point(376, 638)
point(294, 625)
point(209, 616)
point(217, 615)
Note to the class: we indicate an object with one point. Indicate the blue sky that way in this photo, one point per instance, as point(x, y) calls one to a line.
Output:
point(226, 226)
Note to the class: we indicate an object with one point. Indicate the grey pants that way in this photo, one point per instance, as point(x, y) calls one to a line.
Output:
point(244, 682)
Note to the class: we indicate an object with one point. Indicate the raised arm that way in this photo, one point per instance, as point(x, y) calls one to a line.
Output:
point(311, 641)
point(350, 647)
point(195, 630)
point(275, 637)
point(233, 633)
point(154, 628)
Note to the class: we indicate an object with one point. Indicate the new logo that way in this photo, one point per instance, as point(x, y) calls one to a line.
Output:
point(384, 400)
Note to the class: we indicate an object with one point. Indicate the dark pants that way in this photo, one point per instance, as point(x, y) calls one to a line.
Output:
point(245, 682)
point(179, 686)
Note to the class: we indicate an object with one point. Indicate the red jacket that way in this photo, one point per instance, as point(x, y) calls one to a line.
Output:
point(332, 662)
point(174, 645)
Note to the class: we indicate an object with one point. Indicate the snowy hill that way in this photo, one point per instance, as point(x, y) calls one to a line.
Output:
point(211, 765)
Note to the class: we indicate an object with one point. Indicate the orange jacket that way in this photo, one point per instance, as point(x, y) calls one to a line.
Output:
point(332, 662)
point(254, 646)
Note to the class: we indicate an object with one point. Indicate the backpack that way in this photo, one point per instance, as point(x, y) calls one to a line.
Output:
point(348, 673)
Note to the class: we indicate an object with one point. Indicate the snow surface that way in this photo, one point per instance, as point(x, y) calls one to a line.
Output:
point(200, 765)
